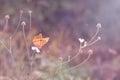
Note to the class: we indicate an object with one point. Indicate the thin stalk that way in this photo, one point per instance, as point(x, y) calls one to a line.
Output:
point(24, 36)
point(6, 23)
point(11, 48)
point(89, 44)
point(81, 63)
point(31, 64)
point(60, 63)
point(20, 17)
point(94, 36)
point(80, 50)
point(10, 44)
point(30, 12)
point(5, 46)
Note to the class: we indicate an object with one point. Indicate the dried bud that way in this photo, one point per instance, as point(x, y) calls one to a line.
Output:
point(85, 44)
point(99, 38)
point(23, 23)
point(90, 51)
point(98, 25)
point(7, 16)
point(81, 40)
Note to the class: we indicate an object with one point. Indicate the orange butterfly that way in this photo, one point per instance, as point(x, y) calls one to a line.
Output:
point(39, 41)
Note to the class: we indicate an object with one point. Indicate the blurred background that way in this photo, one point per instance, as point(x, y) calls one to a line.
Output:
point(63, 21)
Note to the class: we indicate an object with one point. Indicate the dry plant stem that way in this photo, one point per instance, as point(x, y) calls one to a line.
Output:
point(5, 46)
point(17, 25)
point(97, 31)
point(89, 44)
point(31, 66)
point(10, 44)
point(6, 25)
point(81, 63)
point(31, 63)
point(62, 63)
point(9, 50)
point(30, 21)
point(58, 68)
point(27, 48)
point(80, 50)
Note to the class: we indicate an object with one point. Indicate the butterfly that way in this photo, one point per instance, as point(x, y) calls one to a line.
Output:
point(39, 41)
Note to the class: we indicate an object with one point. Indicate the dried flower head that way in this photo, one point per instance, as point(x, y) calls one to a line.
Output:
point(23, 23)
point(7, 16)
point(90, 51)
point(99, 38)
point(98, 25)
point(81, 40)
point(85, 44)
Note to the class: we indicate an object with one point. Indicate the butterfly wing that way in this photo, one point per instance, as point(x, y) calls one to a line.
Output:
point(37, 38)
point(43, 41)
point(39, 41)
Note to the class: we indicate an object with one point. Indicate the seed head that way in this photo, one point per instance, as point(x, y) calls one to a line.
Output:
point(90, 51)
point(23, 23)
point(81, 40)
point(7, 16)
point(98, 25)
point(85, 44)
point(99, 38)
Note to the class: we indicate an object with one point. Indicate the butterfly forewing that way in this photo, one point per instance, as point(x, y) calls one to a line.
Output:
point(39, 41)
